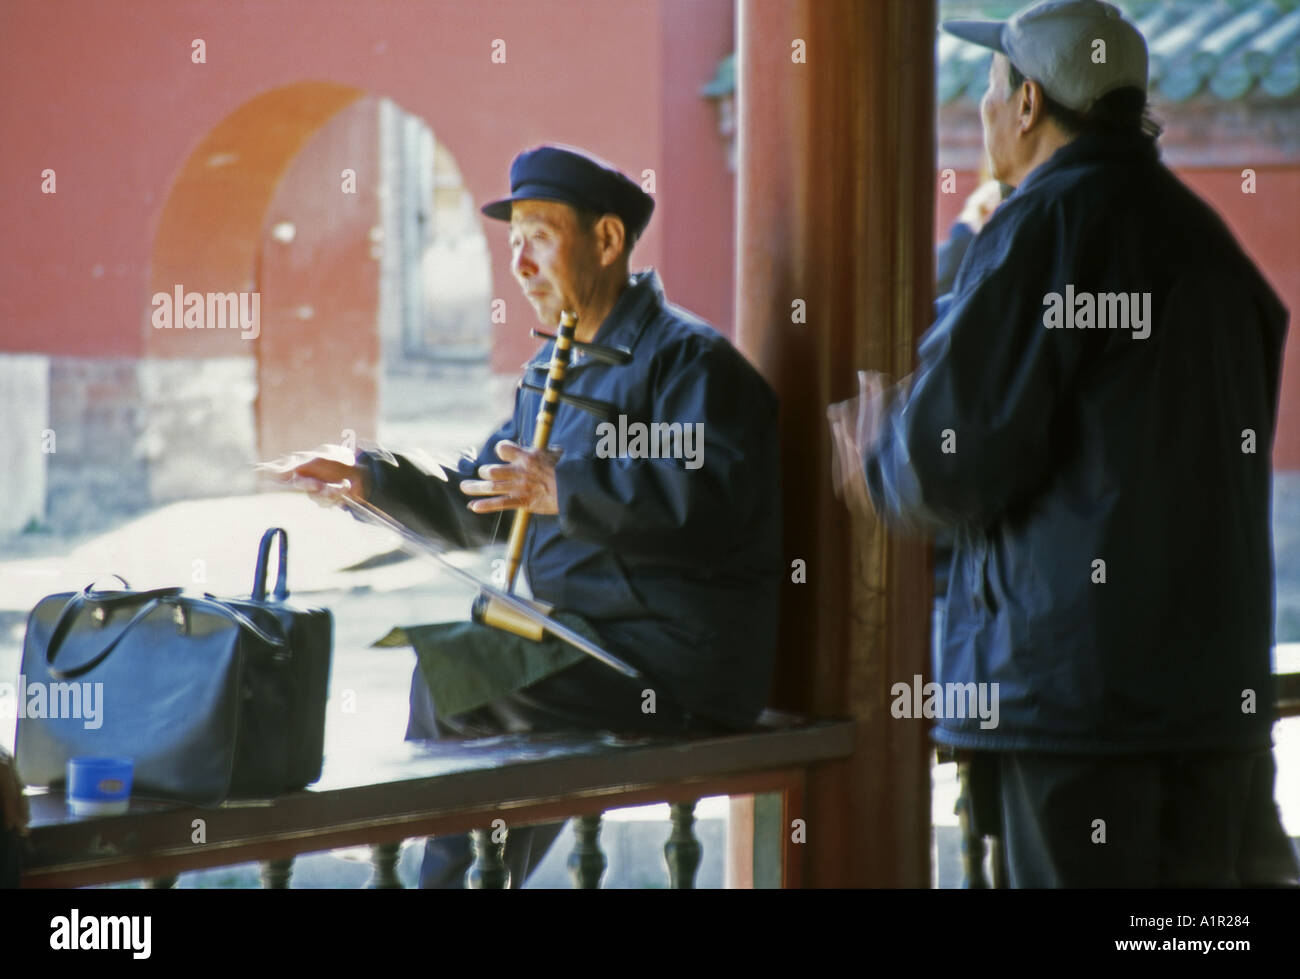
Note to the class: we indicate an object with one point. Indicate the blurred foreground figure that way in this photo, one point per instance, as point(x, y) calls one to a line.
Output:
point(657, 536)
point(14, 816)
point(1092, 418)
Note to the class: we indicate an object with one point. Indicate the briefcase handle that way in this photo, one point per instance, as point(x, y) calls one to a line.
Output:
point(152, 599)
point(259, 574)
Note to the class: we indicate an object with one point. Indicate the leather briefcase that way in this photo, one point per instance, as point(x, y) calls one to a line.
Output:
point(212, 699)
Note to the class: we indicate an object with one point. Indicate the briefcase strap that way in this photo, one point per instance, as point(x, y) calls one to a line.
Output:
point(259, 573)
point(152, 599)
point(90, 588)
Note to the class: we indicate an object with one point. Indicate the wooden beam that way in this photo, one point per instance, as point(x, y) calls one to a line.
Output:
point(835, 214)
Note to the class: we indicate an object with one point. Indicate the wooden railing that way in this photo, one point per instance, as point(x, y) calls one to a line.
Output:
point(438, 788)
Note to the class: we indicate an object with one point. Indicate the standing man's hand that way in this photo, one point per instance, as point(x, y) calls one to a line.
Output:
point(980, 205)
point(855, 429)
point(526, 480)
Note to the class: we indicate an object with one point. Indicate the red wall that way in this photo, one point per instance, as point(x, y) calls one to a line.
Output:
point(106, 95)
point(1267, 224)
point(318, 359)
point(696, 199)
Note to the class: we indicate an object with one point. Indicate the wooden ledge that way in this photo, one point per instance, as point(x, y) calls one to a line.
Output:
point(429, 788)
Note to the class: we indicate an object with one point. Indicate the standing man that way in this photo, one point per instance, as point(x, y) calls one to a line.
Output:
point(1092, 416)
point(660, 533)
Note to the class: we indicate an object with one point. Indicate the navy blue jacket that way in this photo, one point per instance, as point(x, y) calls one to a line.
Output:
point(1074, 446)
point(674, 561)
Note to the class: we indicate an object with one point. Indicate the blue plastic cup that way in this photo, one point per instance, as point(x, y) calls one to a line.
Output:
point(97, 786)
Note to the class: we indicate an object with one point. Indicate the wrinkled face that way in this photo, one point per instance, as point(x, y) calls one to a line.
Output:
point(999, 112)
point(554, 260)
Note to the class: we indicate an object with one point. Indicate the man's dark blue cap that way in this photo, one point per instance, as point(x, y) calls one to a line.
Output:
point(558, 173)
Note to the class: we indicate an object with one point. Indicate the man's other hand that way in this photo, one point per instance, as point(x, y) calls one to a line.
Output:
point(326, 481)
point(525, 479)
point(855, 427)
point(980, 205)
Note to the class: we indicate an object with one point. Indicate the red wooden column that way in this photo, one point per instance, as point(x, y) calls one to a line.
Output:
point(834, 212)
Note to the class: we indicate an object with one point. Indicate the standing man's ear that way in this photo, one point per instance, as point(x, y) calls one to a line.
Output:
point(1033, 104)
point(610, 236)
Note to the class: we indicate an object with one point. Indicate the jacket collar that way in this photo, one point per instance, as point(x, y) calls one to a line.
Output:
point(1093, 147)
point(638, 304)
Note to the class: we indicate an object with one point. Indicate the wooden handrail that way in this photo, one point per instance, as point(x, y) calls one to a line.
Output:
point(426, 789)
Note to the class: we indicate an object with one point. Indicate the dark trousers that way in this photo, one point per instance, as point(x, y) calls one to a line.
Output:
point(585, 696)
point(1174, 820)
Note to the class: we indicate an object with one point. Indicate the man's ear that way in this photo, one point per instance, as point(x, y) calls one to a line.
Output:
point(1032, 106)
point(610, 235)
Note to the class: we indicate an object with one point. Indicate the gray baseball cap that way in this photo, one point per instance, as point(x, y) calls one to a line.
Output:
point(1054, 42)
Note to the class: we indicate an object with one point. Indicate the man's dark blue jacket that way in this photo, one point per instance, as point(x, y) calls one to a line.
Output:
point(1049, 451)
point(676, 565)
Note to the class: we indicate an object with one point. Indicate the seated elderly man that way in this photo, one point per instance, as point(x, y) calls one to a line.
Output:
point(664, 548)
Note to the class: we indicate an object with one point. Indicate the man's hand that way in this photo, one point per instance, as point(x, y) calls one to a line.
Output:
point(325, 480)
point(526, 480)
point(980, 205)
point(14, 811)
point(855, 428)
